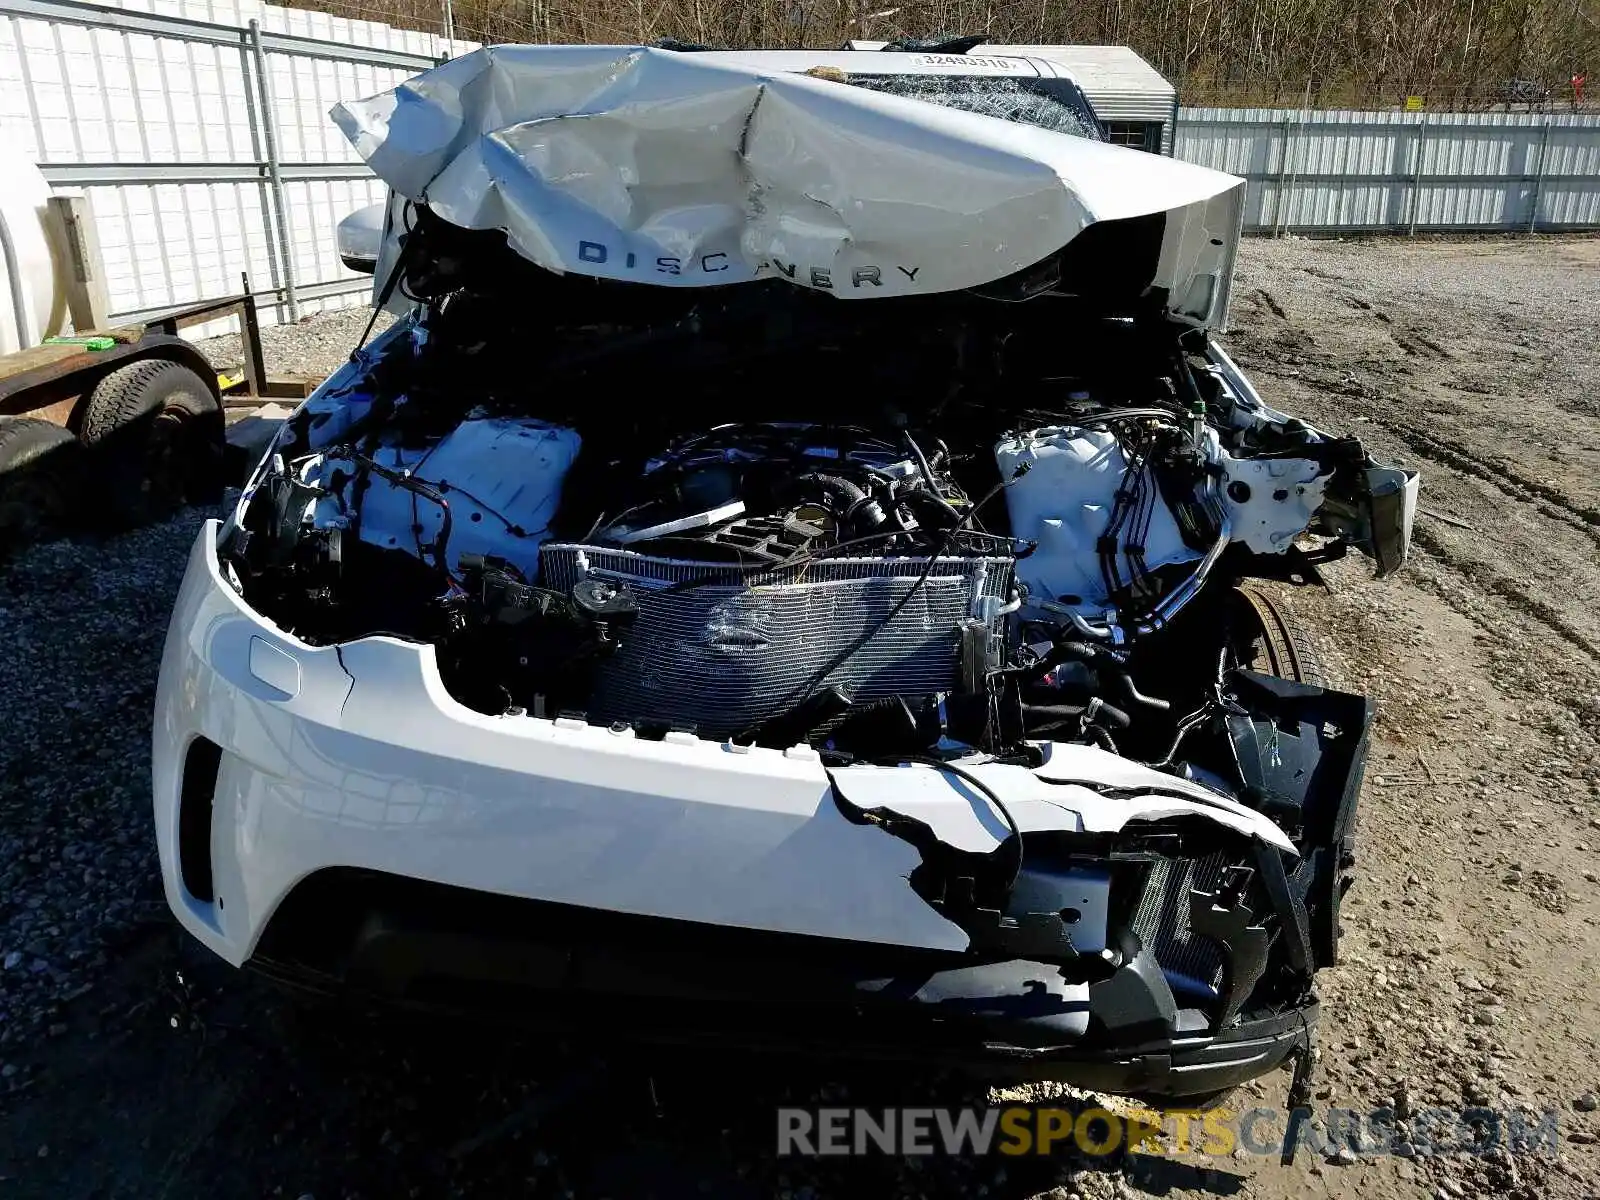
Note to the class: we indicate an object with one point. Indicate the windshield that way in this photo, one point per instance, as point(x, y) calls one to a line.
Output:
point(1055, 104)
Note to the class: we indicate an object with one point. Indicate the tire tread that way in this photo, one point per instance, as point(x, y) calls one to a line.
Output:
point(122, 397)
point(1288, 649)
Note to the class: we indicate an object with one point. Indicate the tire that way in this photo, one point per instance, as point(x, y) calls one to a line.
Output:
point(40, 479)
point(1274, 640)
point(154, 430)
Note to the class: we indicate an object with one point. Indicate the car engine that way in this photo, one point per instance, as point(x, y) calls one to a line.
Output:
point(766, 519)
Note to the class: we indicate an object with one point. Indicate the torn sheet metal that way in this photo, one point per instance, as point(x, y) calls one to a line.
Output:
point(1049, 797)
point(706, 169)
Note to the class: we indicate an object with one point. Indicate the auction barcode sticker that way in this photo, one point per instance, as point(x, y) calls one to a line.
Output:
point(974, 63)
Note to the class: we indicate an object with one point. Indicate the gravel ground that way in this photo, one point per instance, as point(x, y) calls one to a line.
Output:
point(1472, 937)
point(316, 347)
point(84, 626)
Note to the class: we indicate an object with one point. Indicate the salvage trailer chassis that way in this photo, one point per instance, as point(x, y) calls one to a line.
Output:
point(116, 426)
point(36, 382)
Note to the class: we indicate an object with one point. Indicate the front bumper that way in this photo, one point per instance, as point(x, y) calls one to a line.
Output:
point(361, 938)
point(356, 756)
point(478, 857)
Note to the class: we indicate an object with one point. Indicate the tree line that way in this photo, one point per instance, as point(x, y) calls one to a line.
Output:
point(1361, 53)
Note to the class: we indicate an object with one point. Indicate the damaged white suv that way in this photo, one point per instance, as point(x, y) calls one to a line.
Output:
point(780, 582)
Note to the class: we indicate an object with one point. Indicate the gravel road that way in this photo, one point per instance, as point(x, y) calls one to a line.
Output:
point(132, 1065)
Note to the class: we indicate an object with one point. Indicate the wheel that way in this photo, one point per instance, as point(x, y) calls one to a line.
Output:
point(154, 428)
point(1274, 640)
point(40, 479)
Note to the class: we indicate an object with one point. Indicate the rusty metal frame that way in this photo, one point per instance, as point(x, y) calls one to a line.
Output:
point(73, 374)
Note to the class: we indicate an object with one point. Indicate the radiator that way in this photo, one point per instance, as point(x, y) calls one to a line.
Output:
point(719, 652)
point(1162, 920)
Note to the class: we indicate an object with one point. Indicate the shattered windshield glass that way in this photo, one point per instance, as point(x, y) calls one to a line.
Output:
point(1054, 104)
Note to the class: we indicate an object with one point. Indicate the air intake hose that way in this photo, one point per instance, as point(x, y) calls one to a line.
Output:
point(855, 508)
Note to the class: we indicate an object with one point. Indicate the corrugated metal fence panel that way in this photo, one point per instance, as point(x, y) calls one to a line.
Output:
point(315, 209)
point(95, 95)
point(78, 94)
point(167, 244)
point(94, 104)
point(1327, 171)
point(303, 92)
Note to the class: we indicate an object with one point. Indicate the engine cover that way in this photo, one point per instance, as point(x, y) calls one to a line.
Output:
point(501, 477)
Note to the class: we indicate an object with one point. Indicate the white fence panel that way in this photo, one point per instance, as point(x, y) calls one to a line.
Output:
point(160, 119)
point(1322, 171)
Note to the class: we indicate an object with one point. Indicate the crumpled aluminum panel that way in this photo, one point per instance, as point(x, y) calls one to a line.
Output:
point(725, 654)
point(709, 169)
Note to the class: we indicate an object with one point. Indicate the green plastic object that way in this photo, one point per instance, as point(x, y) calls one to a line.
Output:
point(88, 343)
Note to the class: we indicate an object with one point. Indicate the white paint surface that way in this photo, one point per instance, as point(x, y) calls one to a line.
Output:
point(702, 170)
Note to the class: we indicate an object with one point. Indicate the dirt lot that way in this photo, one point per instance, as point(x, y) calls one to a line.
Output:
point(130, 1066)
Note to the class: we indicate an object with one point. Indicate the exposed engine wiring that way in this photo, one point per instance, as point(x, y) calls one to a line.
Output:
point(1167, 607)
point(421, 488)
point(511, 526)
point(1128, 530)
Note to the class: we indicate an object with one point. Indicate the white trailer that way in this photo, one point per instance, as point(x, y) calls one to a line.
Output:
point(1136, 104)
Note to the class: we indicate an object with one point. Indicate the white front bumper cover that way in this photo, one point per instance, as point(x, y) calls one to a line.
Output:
point(355, 756)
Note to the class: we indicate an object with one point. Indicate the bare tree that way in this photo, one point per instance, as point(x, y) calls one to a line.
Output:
point(1369, 53)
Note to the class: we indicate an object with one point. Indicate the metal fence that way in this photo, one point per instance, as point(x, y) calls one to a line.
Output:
point(203, 145)
point(1321, 172)
point(201, 137)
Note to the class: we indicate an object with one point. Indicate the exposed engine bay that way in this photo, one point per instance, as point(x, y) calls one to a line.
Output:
point(999, 539)
point(757, 515)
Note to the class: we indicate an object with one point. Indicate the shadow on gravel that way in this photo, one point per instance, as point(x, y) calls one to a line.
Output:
point(191, 1079)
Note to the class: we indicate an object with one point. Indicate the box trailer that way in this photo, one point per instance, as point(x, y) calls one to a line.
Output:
point(1136, 104)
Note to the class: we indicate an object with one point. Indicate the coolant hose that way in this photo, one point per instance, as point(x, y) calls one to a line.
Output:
point(859, 507)
point(1190, 587)
point(927, 477)
point(838, 487)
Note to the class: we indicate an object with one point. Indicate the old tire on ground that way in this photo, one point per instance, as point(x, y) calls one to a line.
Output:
point(40, 479)
point(154, 429)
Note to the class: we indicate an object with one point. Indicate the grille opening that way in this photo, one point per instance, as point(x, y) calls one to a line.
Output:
point(1192, 964)
point(200, 766)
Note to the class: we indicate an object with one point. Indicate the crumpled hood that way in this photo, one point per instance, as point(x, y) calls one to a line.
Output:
point(698, 170)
